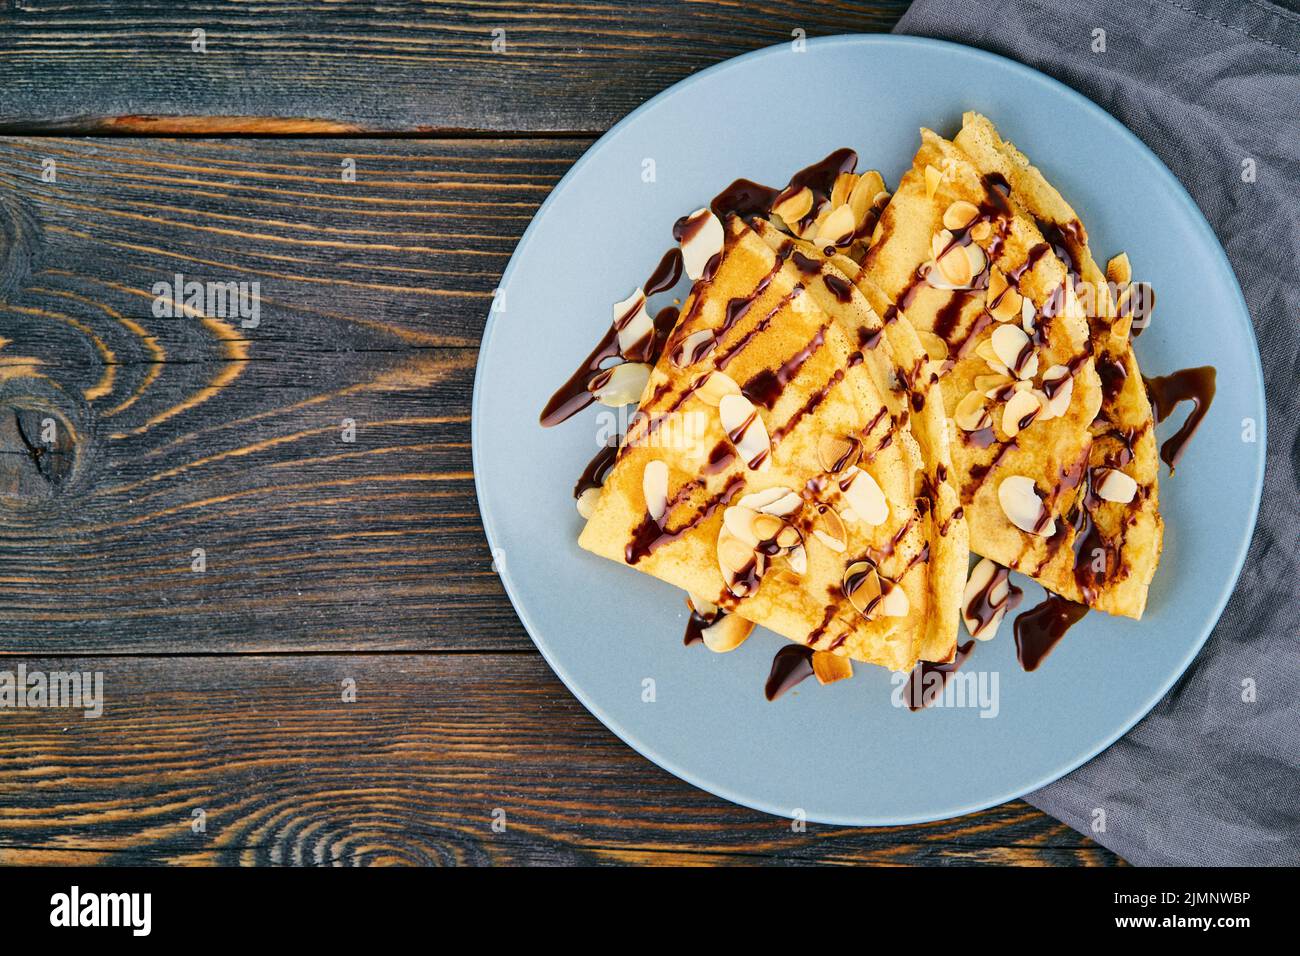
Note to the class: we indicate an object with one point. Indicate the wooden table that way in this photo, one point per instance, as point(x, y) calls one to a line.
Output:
point(336, 676)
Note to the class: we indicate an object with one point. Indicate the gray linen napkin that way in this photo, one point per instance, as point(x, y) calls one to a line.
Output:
point(1206, 778)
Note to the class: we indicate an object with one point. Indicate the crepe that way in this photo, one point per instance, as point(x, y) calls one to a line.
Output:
point(985, 260)
point(786, 493)
point(1129, 535)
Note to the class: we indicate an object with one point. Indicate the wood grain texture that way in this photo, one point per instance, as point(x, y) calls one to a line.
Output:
point(405, 66)
point(194, 432)
point(286, 772)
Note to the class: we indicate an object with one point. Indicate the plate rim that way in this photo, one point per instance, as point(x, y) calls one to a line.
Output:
point(1028, 73)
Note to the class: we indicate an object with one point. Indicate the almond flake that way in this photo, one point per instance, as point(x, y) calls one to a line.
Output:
point(932, 178)
point(990, 580)
point(836, 453)
point(741, 421)
point(1014, 350)
point(692, 348)
point(1023, 507)
point(702, 241)
point(587, 502)
point(654, 487)
point(829, 667)
point(792, 206)
point(726, 633)
point(1022, 408)
point(960, 215)
point(971, 413)
point(1113, 485)
point(837, 229)
point(1058, 388)
point(714, 387)
point(865, 497)
point(861, 586)
point(620, 385)
point(894, 601)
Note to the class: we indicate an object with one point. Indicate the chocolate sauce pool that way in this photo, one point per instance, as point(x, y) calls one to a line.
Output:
point(792, 665)
point(1039, 629)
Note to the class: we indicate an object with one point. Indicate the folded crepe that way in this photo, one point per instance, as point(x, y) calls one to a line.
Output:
point(1055, 465)
point(772, 470)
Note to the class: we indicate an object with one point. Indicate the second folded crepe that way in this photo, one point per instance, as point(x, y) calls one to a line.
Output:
point(1055, 463)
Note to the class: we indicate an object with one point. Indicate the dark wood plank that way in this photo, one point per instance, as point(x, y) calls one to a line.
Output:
point(286, 772)
point(328, 67)
point(197, 433)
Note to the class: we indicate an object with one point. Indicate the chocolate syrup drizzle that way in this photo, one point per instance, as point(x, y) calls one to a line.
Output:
point(1195, 385)
point(1039, 629)
point(923, 689)
point(792, 665)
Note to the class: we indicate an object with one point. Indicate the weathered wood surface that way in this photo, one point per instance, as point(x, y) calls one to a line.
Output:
point(286, 772)
point(197, 433)
point(326, 560)
point(330, 67)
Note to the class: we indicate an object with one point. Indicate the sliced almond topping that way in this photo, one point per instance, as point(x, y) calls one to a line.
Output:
point(1014, 350)
point(620, 385)
point(843, 186)
point(773, 501)
point(726, 633)
point(715, 386)
point(741, 421)
point(836, 453)
point(1027, 315)
point(959, 215)
point(864, 193)
point(1020, 503)
point(693, 347)
point(1007, 308)
point(862, 587)
point(828, 528)
point(654, 486)
point(1022, 408)
point(971, 413)
point(798, 559)
point(997, 283)
point(977, 259)
point(956, 266)
point(1119, 270)
point(981, 231)
point(837, 229)
point(1058, 388)
point(865, 497)
point(733, 554)
point(989, 580)
point(985, 351)
point(935, 347)
point(702, 606)
point(701, 241)
point(739, 523)
point(939, 243)
point(932, 177)
point(587, 502)
point(1113, 485)
point(828, 667)
point(894, 601)
point(793, 204)
point(997, 388)
point(632, 322)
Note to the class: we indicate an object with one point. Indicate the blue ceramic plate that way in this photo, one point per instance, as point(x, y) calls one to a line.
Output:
point(842, 753)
